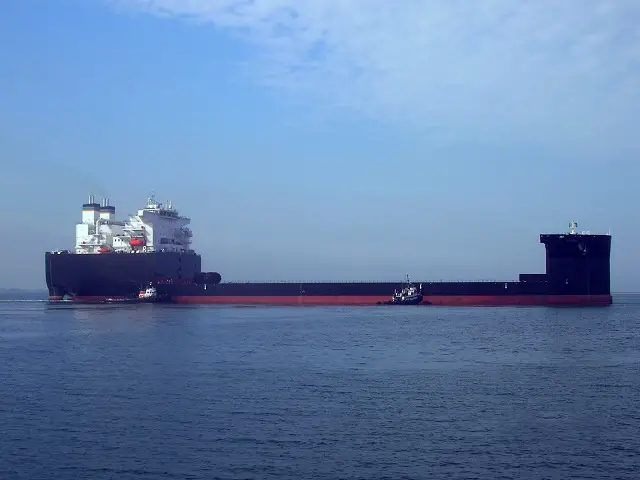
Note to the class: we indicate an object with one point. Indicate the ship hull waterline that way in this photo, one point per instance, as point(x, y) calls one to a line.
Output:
point(345, 300)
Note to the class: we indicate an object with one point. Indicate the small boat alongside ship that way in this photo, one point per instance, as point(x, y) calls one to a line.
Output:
point(147, 295)
point(150, 294)
point(409, 295)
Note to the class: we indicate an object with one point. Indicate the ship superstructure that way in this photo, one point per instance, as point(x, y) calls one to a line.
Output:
point(155, 227)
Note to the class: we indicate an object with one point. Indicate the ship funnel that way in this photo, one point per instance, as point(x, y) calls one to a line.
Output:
point(107, 212)
point(90, 211)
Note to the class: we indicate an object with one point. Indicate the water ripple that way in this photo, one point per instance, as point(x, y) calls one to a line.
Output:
point(335, 393)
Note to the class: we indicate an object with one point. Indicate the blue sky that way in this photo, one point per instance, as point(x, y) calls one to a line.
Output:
point(325, 140)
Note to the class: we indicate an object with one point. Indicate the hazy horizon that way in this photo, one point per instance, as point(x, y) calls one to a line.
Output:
point(325, 140)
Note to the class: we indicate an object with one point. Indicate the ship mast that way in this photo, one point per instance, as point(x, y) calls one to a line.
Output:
point(573, 228)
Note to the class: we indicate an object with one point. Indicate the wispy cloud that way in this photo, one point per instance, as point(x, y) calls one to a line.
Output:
point(538, 69)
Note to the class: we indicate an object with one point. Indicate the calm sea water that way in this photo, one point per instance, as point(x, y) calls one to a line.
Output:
point(151, 392)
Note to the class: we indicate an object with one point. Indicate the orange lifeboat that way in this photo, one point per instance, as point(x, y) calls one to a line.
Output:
point(104, 250)
point(136, 242)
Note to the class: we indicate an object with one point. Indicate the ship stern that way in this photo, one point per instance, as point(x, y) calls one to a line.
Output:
point(56, 292)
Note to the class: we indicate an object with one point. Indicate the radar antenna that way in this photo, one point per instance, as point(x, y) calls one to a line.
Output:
point(573, 226)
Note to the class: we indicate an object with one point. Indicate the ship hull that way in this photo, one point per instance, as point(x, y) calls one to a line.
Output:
point(118, 276)
point(362, 294)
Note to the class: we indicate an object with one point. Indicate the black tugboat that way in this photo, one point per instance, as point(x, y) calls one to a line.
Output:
point(409, 295)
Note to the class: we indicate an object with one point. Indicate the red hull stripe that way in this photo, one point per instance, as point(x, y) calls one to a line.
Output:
point(456, 300)
point(462, 300)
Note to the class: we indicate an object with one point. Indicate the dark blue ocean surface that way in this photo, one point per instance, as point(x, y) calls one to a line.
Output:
point(151, 392)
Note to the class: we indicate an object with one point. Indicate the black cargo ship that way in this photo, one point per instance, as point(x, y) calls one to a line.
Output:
point(121, 259)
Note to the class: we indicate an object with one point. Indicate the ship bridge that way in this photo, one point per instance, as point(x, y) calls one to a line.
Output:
point(155, 227)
